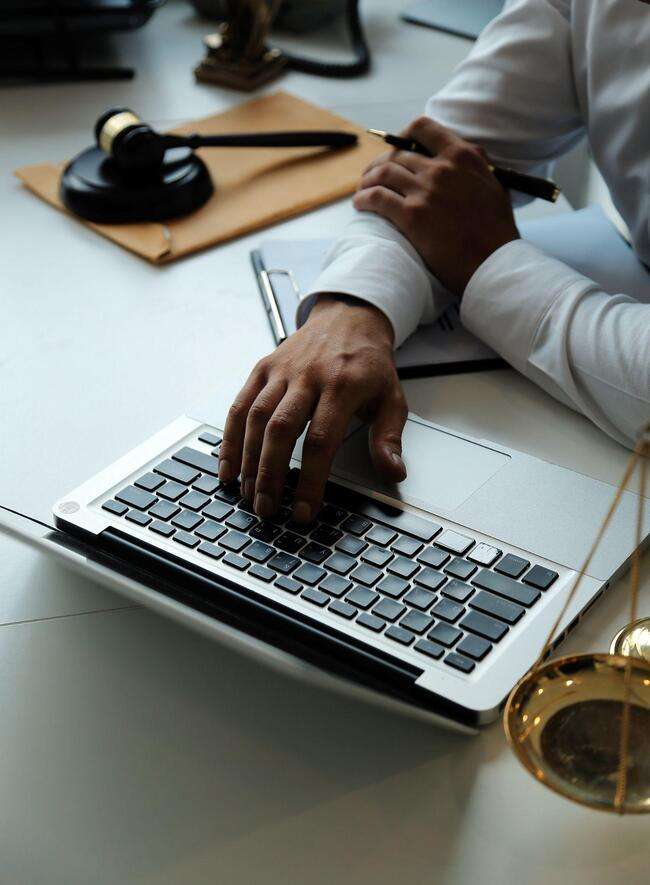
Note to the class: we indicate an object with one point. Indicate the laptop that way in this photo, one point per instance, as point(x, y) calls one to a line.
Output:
point(434, 596)
point(464, 18)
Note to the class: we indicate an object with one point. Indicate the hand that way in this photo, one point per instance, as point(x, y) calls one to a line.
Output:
point(339, 364)
point(450, 206)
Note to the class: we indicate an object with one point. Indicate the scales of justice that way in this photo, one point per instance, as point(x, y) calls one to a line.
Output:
point(580, 724)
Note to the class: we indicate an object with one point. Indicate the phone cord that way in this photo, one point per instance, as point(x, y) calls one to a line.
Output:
point(359, 66)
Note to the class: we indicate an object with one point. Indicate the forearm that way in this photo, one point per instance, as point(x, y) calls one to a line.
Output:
point(588, 349)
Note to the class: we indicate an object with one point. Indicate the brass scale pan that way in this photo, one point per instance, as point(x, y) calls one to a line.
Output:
point(581, 724)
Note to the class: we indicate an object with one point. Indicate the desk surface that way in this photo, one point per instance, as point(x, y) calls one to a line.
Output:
point(132, 750)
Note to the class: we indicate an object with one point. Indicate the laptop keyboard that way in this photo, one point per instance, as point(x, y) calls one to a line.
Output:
point(439, 592)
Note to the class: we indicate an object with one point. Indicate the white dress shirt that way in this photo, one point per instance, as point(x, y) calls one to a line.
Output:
point(542, 75)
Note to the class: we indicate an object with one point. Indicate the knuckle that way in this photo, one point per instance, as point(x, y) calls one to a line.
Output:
point(266, 478)
point(279, 426)
point(318, 442)
point(237, 410)
point(259, 412)
point(420, 124)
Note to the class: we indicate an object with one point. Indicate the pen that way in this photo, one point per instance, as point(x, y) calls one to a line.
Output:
point(508, 178)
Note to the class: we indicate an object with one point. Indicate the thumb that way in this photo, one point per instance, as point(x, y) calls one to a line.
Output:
point(385, 438)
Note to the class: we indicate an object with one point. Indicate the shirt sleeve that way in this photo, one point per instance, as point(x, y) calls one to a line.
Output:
point(515, 96)
point(585, 347)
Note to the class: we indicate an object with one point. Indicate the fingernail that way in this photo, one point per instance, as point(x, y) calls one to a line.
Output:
point(302, 512)
point(263, 505)
point(397, 461)
point(225, 473)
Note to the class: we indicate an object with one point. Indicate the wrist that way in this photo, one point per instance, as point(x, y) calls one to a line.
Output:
point(338, 308)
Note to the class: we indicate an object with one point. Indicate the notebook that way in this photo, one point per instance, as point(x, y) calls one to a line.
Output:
point(585, 240)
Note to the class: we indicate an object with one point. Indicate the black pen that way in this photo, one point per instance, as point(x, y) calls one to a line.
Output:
point(508, 178)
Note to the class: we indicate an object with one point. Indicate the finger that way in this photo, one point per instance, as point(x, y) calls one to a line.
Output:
point(431, 135)
point(259, 415)
point(287, 423)
point(230, 451)
point(326, 433)
point(382, 201)
point(385, 439)
point(391, 175)
point(382, 158)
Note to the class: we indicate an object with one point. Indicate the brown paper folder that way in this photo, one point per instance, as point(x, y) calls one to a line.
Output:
point(253, 187)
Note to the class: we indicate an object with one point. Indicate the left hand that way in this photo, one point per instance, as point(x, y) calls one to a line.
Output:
point(449, 206)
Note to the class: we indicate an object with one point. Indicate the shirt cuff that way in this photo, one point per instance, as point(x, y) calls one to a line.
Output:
point(509, 295)
point(372, 272)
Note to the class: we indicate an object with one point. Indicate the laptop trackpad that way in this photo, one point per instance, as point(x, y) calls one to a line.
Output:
point(443, 470)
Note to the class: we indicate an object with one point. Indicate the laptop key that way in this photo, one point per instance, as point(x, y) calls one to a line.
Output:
point(366, 574)
point(377, 556)
point(474, 647)
point(332, 515)
point(314, 553)
point(194, 500)
point(362, 597)
point(138, 517)
point(342, 609)
point(171, 490)
point(289, 542)
point(430, 578)
point(393, 586)
point(283, 562)
point(218, 510)
point(187, 520)
point(499, 608)
point(309, 574)
point(210, 550)
point(234, 541)
point(210, 439)
point(512, 566)
point(241, 521)
point(458, 662)
point(399, 634)
point(164, 510)
point(137, 498)
point(259, 551)
point(460, 568)
point(237, 562)
point(403, 567)
point(265, 531)
point(445, 634)
point(504, 586)
point(228, 493)
point(335, 585)
point(457, 590)
point(193, 458)
point(161, 528)
point(388, 609)
point(339, 562)
point(540, 577)
point(311, 594)
point(418, 622)
point(326, 534)
point(431, 649)
point(454, 542)
point(484, 554)
point(406, 546)
point(186, 539)
point(380, 535)
point(419, 598)
point(484, 625)
point(261, 572)
point(350, 545)
point(448, 610)
point(370, 622)
point(210, 530)
point(176, 471)
point(288, 584)
point(115, 507)
point(356, 525)
point(149, 482)
point(433, 557)
point(206, 484)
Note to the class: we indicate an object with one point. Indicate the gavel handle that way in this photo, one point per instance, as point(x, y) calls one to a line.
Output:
point(328, 138)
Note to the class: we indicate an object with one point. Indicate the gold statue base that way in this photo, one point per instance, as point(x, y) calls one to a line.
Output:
point(221, 68)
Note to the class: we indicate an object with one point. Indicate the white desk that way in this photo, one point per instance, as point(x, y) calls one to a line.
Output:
point(132, 750)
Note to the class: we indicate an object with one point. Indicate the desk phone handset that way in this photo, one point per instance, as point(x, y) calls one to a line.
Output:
point(134, 173)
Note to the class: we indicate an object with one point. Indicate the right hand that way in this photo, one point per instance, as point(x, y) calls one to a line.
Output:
point(338, 365)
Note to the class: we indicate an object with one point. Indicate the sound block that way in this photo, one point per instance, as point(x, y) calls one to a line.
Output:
point(94, 187)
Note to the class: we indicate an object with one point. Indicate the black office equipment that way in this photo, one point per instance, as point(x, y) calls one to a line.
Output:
point(43, 40)
point(464, 18)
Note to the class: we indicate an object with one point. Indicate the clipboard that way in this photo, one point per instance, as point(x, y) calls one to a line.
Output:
point(286, 269)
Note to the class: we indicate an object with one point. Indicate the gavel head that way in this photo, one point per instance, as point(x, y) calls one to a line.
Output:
point(134, 145)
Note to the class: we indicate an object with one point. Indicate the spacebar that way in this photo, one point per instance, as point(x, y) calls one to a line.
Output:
point(398, 519)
